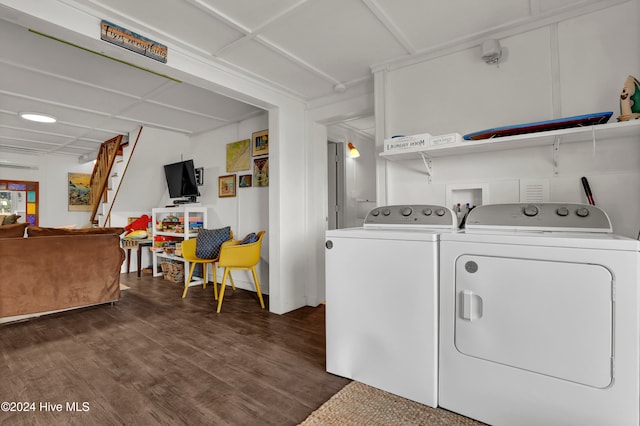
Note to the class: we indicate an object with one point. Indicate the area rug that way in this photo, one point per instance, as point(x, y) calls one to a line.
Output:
point(358, 404)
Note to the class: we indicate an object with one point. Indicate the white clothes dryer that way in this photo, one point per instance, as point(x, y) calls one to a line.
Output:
point(539, 318)
point(382, 300)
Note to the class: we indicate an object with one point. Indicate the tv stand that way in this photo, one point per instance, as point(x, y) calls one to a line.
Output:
point(190, 200)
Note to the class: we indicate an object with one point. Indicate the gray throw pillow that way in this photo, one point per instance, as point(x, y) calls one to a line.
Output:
point(209, 241)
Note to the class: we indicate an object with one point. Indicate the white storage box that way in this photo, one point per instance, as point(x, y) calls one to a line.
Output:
point(414, 143)
point(447, 139)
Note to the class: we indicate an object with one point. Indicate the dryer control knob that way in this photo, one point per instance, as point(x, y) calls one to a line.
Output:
point(386, 212)
point(406, 211)
point(530, 210)
point(582, 212)
point(440, 212)
point(562, 211)
point(427, 212)
point(375, 212)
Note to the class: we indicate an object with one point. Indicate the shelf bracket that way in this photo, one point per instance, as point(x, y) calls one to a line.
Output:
point(427, 165)
point(556, 153)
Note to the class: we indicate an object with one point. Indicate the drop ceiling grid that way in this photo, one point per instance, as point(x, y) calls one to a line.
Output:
point(191, 98)
point(170, 119)
point(168, 21)
point(276, 69)
point(428, 24)
point(253, 14)
point(345, 48)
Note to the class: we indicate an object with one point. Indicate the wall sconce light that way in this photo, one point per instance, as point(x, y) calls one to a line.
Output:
point(353, 151)
point(491, 51)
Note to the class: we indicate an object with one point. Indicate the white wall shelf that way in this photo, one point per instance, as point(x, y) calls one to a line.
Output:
point(187, 214)
point(575, 134)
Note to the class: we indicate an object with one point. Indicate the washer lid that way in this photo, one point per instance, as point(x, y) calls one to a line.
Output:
point(567, 217)
point(411, 216)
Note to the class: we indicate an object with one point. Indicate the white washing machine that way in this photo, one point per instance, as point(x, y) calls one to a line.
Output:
point(382, 300)
point(539, 318)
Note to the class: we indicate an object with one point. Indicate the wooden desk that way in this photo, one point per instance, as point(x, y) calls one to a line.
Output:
point(135, 245)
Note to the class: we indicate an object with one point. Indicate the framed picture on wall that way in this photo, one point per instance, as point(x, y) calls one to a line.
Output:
point(79, 196)
point(245, 181)
point(227, 186)
point(260, 141)
point(261, 171)
point(238, 157)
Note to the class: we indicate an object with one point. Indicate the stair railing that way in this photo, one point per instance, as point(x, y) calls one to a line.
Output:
point(101, 171)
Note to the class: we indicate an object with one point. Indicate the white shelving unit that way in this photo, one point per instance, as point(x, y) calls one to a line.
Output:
point(188, 214)
point(552, 138)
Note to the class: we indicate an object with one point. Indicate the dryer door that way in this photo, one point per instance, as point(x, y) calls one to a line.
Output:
point(548, 317)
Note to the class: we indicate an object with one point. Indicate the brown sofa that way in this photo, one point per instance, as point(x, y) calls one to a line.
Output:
point(44, 270)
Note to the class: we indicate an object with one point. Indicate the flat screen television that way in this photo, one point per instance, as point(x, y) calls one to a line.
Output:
point(181, 180)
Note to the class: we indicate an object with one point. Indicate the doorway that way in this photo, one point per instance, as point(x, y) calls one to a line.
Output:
point(20, 198)
point(335, 164)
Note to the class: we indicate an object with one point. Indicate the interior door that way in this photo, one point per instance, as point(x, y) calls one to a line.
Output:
point(335, 165)
point(549, 317)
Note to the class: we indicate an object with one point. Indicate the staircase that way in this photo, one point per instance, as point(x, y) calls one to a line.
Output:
point(106, 178)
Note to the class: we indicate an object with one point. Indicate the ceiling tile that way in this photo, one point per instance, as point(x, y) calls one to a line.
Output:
point(340, 37)
point(429, 24)
point(171, 119)
point(71, 63)
point(273, 67)
point(53, 90)
point(181, 19)
point(196, 99)
point(250, 13)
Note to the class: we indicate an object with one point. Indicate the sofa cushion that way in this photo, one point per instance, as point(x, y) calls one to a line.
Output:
point(13, 231)
point(37, 231)
point(9, 219)
point(209, 241)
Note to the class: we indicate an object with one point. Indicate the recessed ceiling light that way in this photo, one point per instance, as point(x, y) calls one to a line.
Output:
point(40, 118)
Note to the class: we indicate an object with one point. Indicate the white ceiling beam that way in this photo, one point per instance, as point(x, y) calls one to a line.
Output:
point(390, 26)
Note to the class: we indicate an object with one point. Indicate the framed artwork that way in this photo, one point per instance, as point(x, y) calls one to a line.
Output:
point(245, 181)
point(238, 155)
point(79, 192)
point(227, 186)
point(261, 171)
point(260, 142)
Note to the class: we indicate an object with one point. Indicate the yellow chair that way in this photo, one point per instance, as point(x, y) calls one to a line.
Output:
point(236, 256)
point(189, 254)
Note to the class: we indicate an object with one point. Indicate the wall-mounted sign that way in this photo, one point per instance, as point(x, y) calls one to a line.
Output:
point(132, 41)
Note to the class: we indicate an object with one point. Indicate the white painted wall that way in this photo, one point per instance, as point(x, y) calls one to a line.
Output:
point(359, 173)
point(52, 175)
point(573, 67)
point(319, 117)
point(144, 186)
point(248, 211)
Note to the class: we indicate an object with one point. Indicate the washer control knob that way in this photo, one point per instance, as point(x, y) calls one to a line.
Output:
point(375, 212)
point(427, 212)
point(440, 212)
point(386, 212)
point(530, 210)
point(582, 212)
point(562, 211)
point(406, 211)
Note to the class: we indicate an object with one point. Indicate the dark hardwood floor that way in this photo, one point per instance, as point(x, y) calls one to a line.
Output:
point(154, 358)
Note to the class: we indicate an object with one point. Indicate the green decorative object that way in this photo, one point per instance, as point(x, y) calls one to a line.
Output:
point(630, 100)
